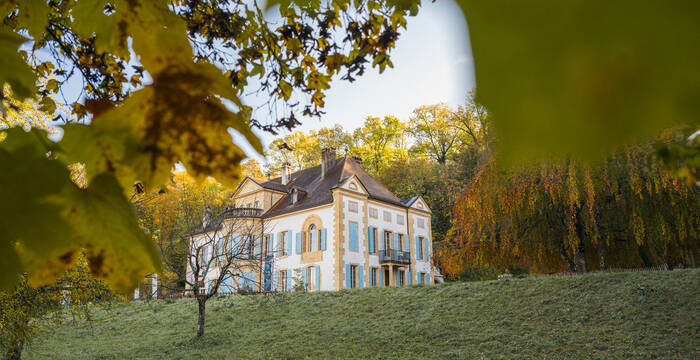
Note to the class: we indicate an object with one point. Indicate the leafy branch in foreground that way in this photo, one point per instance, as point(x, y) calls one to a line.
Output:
point(137, 133)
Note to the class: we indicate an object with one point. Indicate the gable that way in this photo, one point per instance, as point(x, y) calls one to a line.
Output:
point(354, 184)
point(246, 187)
point(420, 204)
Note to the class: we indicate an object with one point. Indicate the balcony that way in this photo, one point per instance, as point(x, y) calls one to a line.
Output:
point(394, 256)
point(232, 212)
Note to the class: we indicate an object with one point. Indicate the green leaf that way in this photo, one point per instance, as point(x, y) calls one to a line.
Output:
point(117, 250)
point(46, 220)
point(582, 77)
point(109, 30)
point(48, 105)
point(13, 69)
point(33, 228)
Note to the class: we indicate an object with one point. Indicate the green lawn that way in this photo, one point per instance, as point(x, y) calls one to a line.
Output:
point(641, 315)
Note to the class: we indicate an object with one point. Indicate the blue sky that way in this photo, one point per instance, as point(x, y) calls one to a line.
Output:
point(432, 63)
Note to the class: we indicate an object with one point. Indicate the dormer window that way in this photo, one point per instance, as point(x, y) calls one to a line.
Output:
point(295, 196)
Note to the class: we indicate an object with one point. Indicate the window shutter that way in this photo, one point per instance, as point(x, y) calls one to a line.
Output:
point(381, 277)
point(371, 274)
point(257, 246)
point(418, 246)
point(298, 243)
point(370, 239)
point(408, 275)
point(427, 276)
point(289, 242)
point(361, 280)
point(318, 278)
point(353, 236)
point(303, 277)
point(275, 279)
point(289, 279)
point(396, 241)
point(427, 249)
point(407, 243)
point(323, 239)
point(347, 276)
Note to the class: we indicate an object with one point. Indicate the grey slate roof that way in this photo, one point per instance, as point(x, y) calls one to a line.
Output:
point(318, 188)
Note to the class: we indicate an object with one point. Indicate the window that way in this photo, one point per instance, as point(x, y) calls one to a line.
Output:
point(283, 281)
point(311, 242)
point(267, 245)
point(401, 244)
point(421, 223)
point(399, 219)
point(373, 277)
point(283, 243)
point(421, 278)
point(373, 213)
point(353, 276)
point(353, 236)
point(250, 242)
point(387, 216)
point(257, 204)
point(352, 206)
point(310, 279)
point(294, 197)
point(399, 278)
point(387, 240)
point(247, 205)
point(372, 240)
point(420, 248)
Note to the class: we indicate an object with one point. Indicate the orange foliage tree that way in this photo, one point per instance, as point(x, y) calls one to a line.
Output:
point(564, 215)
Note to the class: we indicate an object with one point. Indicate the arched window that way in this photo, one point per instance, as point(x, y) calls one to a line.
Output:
point(313, 238)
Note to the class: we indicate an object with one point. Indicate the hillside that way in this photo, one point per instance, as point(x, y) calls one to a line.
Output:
point(641, 315)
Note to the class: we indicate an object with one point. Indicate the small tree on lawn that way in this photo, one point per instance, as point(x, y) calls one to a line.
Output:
point(223, 256)
point(24, 308)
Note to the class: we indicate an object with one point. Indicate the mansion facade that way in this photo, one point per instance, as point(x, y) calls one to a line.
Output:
point(329, 227)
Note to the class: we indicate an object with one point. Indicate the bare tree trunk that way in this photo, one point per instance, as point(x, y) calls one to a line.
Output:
point(200, 320)
point(564, 256)
point(580, 253)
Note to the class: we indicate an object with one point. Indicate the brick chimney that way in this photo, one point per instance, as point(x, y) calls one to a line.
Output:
point(327, 160)
point(286, 173)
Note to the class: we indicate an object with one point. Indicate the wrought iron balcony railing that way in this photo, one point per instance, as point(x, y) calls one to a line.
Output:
point(394, 256)
point(232, 212)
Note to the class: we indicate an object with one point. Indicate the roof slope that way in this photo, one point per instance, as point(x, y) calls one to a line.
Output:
point(318, 188)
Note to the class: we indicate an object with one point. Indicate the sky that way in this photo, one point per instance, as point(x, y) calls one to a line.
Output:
point(432, 64)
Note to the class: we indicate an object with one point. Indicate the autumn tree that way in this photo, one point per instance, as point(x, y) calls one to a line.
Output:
point(568, 215)
point(23, 307)
point(434, 131)
point(379, 141)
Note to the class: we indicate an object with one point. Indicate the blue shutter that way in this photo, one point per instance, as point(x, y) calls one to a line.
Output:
point(396, 241)
point(408, 276)
point(370, 239)
point(275, 280)
point(362, 281)
point(257, 246)
point(418, 246)
point(289, 279)
point(427, 276)
point(236, 245)
point(381, 277)
point(427, 249)
point(371, 274)
point(318, 278)
point(289, 242)
point(347, 276)
point(303, 277)
point(407, 243)
point(419, 280)
point(353, 237)
point(323, 239)
point(298, 243)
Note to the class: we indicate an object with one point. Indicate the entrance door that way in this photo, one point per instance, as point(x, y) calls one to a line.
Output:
point(386, 277)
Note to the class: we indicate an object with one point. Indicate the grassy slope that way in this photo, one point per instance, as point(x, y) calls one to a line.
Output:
point(639, 315)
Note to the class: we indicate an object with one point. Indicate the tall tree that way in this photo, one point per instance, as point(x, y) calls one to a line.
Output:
point(434, 131)
point(379, 141)
point(566, 215)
